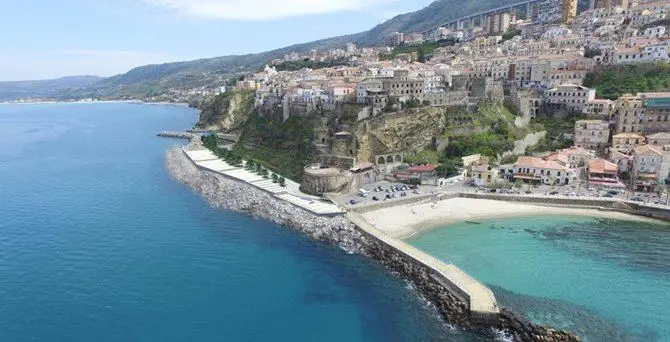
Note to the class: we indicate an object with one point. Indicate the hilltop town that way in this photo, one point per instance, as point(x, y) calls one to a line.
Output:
point(480, 98)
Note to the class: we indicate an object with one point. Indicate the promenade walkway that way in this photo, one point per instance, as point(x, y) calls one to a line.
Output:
point(290, 193)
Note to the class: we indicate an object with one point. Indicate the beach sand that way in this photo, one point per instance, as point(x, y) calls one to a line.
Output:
point(405, 221)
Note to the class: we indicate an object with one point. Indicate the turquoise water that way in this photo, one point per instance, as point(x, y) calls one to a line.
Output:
point(606, 280)
point(97, 243)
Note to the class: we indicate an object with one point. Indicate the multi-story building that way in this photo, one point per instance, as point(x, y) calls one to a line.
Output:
point(657, 112)
point(569, 97)
point(602, 173)
point(538, 170)
point(658, 139)
point(365, 85)
point(500, 22)
point(553, 11)
point(395, 39)
point(622, 158)
point(592, 134)
point(404, 87)
point(607, 3)
point(627, 141)
point(654, 32)
point(646, 167)
point(629, 114)
point(577, 156)
point(598, 108)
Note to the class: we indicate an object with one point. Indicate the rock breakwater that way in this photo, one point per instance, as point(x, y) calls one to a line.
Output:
point(226, 193)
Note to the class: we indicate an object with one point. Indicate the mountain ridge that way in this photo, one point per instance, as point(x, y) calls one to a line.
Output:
point(149, 80)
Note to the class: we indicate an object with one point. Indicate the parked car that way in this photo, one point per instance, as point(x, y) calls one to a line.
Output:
point(375, 198)
point(353, 202)
point(607, 194)
point(553, 193)
point(637, 199)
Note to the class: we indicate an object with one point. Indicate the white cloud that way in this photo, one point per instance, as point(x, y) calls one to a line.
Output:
point(261, 9)
point(69, 62)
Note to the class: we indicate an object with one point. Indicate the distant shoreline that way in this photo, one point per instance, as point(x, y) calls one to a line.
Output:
point(180, 104)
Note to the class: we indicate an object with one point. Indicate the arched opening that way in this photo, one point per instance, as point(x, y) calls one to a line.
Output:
point(389, 159)
point(351, 152)
point(381, 160)
point(323, 140)
point(398, 159)
point(537, 103)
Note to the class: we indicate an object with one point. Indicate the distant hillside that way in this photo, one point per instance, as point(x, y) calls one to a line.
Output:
point(150, 79)
point(44, 88)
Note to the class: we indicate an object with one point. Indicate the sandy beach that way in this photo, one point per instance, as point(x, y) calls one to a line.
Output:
point(405, 221)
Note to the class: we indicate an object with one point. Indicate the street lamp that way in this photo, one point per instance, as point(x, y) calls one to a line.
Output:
point(667, 185)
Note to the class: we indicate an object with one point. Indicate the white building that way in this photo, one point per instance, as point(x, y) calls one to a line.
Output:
point(646, 167)
point(569, 96)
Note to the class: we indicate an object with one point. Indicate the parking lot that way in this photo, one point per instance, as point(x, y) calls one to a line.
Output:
point(384, 191)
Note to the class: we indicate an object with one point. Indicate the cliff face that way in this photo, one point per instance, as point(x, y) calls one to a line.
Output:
point(227, 112)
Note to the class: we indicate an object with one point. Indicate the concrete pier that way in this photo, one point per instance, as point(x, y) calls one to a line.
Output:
point(479, 299)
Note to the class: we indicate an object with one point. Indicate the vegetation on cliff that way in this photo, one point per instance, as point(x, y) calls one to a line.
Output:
point(422, 50)
point(489, 130)
point(285, 147)
point(227, 111)
point(310, 64)
point(613, 81)
point(559, 133)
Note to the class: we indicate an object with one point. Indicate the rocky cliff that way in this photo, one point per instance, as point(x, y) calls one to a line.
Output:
point(227, 112)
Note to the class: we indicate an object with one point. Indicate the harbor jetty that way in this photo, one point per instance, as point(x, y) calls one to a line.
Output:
point(460, 299)
point(178, 134)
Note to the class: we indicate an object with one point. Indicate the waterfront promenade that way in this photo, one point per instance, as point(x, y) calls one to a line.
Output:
point(205, 159)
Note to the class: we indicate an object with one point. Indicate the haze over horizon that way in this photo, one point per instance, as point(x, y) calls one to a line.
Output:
point(107, 37)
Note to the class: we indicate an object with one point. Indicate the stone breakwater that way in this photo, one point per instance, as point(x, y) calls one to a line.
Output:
point(229, 194)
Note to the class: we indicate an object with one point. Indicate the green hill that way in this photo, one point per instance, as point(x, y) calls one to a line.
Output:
point(149, 79)
point(41, 89)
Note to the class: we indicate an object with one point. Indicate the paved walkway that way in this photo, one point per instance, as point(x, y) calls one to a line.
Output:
point(481, 298)
point(291, 193)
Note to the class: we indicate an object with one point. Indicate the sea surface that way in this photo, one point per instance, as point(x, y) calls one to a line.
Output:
point(97, 243)
point(605, 280)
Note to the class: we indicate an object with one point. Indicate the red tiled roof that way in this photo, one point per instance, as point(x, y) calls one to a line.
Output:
point(422, 168)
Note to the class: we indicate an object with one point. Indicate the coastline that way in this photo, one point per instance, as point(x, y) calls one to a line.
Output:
point(446, 287)
point(180, 104)
point(401, 223)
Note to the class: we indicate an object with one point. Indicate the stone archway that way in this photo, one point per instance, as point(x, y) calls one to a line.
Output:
point(381, 160)
point(389, 159)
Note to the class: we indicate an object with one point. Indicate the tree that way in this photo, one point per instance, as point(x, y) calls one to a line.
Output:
point(259, 169)
point(250, 165)
point(282, 181)
point(275, 178)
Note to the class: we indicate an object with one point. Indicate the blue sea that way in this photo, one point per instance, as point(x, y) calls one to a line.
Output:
point(97, 243)
point(605, 280)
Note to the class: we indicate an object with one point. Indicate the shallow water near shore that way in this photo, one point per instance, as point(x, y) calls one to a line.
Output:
point(97, 243)
point(606, 280)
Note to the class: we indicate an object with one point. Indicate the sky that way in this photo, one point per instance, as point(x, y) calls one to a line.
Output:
point(44, 39)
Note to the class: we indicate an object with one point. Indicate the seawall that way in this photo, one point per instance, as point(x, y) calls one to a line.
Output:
point(452, 292)
point(626, 207)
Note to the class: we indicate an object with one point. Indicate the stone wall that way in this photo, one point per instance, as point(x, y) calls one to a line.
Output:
point(317, 182)
point(520, 146)
point(451, 303)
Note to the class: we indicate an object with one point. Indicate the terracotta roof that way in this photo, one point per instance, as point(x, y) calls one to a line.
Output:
point(647, 150)
point(539, 163)
point(558, 157)
point(602, 166)
point(422, 168)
